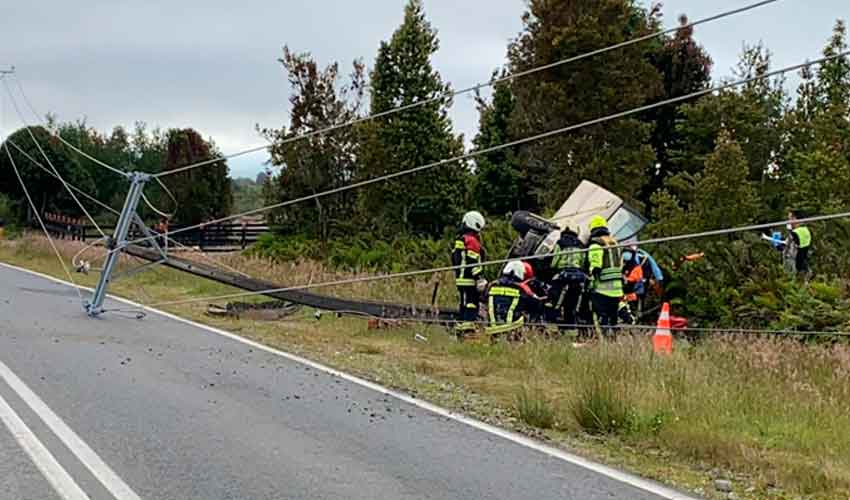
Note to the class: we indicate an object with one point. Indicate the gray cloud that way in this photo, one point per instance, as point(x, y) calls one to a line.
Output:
point(212, 64)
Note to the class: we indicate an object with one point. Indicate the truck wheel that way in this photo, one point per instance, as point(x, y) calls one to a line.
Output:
point(524, 222)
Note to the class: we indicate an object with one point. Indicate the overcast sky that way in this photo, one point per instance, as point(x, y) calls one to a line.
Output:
point(212, 65)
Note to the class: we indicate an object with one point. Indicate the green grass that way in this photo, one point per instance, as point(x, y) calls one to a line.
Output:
point(773, 414)
point(534, 408)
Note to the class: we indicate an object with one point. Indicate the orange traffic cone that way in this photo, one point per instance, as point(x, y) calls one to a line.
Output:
point(662, 341)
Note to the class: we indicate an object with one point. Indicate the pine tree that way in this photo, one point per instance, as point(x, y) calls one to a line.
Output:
point(428, 201)
point(616, 154)
point(709, 194)
point(686, 68)
point(752, 115)
point(833, 87)
point(818, 163)
point(499, 188)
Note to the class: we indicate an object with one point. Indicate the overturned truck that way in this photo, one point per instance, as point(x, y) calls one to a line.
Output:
point(538, 236)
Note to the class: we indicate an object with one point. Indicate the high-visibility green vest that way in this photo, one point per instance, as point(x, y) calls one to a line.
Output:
point(805, 236)
point(568, 258)
point(609, 260)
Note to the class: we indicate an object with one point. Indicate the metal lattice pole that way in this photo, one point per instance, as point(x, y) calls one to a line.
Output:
point(118, 241)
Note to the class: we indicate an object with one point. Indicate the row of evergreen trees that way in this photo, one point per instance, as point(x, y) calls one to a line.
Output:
point(734, 156)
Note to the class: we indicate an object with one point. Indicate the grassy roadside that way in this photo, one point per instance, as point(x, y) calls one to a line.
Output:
point(772, 416)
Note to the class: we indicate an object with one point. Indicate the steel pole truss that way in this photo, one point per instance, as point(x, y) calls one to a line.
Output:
point(119, 240)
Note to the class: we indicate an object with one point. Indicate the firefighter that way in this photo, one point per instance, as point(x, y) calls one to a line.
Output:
point(506, 299)
point(535, 294)
point(570, 280)
point(605, 266)
point(468, 251)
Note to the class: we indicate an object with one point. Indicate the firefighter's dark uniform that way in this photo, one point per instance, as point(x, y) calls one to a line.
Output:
point(569, 281)
point(467, 252)
point(504, 307)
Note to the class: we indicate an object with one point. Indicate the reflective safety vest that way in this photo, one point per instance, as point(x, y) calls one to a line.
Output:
point(568, 258)
point(609, 261)
point(503, 305)
point(467, 251)
point(805, 236)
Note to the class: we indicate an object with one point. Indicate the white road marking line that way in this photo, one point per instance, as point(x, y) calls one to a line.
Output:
point(114, 484)
point(617, 475)
point(59, 479)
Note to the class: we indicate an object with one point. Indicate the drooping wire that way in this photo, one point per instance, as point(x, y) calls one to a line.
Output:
point(477, 87)
point(76, 189)
point(519, 142)
point(47, 159)
point(167, 215)
point(54, 131)
point(420, 272)
point(117, 213)
point(41, 223)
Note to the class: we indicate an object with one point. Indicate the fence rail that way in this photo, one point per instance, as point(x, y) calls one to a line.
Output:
point(212, 238)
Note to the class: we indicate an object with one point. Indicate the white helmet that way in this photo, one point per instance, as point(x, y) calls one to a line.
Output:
point(474, 221)
point(515, 269)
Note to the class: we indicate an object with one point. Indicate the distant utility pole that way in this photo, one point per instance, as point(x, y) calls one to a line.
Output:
point(7, 71)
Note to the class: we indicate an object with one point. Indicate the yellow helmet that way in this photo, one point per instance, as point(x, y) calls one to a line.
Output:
point(597, 222)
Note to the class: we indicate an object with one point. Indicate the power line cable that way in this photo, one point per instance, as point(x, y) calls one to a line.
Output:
point(621, 327)
point(41, 223)
point(730, 331)
point(452, 94)
point(76, 189)
point(409, 274)
point(95, 160)
point(47, 159)
point(54, 131)
point(515, 143)
point(117, 213)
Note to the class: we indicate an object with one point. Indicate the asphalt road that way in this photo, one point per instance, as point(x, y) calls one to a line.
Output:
point(176, 411)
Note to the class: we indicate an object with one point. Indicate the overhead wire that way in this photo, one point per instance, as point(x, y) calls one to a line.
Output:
point(421, 103)
point(145, 199)
point(41, 223)
point(518, 142)
point(117, 213)
point(54, 131)
point(450, 94)
point(420, 272)
point(47, 159)
point(76, 189)
point(620, 327)
point(523, 141)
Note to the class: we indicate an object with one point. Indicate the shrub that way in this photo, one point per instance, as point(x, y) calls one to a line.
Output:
point(362, 252)
point(603, 407)
point(534, 409)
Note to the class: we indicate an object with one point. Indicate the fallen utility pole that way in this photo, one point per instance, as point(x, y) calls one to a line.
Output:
point(119, 241)
point(321, 302)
